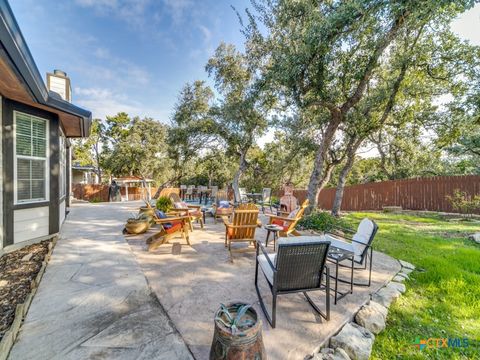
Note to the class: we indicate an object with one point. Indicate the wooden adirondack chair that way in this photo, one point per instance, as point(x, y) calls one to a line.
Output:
point(242, 227)
point(192, 211)
point(169, 228)
point(288, 221)
point(219, 212)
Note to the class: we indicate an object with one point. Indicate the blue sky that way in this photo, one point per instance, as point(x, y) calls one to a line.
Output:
point(135, 55)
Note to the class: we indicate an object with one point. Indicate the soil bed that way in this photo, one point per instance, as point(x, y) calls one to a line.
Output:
point(16, 277)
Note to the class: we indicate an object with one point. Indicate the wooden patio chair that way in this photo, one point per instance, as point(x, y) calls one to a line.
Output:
point(288, 222)
point(220, 212)
point(170, 227)
point(242, 227)
point(181, 208)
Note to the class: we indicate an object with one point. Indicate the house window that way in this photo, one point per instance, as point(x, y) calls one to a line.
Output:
point(63, 167)
point(31, 158)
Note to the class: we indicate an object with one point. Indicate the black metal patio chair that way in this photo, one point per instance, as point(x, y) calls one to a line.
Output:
point(360, 244)
point(298, 266)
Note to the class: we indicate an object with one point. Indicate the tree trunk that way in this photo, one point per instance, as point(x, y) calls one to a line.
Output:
point(337, 201)
point(318, 173)
point(97, 160)
point(238, 174)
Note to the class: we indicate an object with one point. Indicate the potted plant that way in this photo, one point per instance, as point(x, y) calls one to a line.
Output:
point(138, 224)
point(238, 333)
point(164, 204)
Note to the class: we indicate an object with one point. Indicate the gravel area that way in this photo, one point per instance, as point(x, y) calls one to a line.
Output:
point(17, 271)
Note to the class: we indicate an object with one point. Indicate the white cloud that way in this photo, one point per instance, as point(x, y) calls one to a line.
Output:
point(104, 102)
point(131, 11)
point(178, 8)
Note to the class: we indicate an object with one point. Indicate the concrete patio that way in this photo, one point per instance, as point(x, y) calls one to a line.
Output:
point(191, 282)
point(93, 301)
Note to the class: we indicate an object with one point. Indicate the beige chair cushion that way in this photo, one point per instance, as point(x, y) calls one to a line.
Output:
point(265, 266)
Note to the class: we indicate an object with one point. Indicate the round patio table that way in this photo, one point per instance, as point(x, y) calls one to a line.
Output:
point(272, 228)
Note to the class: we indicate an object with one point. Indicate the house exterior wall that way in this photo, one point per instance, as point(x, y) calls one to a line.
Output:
point(29, 221)
point(1, 177)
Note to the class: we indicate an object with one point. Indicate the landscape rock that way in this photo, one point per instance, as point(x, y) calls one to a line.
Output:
point(331, 354)
point(399, 278)
point(400, 287)
point(475, 237)
point(386, 295)
point(407, 265)
point(27, 257)
point(405, 271)
point(372, 317)
point(355, 340)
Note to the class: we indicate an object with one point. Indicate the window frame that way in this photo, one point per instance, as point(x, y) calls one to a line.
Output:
point(62, 165)
point(16, 157)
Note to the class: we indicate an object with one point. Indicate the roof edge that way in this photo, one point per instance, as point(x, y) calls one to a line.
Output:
point(17, 49)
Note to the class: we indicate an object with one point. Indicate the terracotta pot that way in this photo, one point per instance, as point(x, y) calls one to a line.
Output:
point(137, 226)
point(245, 344)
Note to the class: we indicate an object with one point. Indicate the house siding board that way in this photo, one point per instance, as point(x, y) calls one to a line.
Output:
point(1, 177)
point(30, 224)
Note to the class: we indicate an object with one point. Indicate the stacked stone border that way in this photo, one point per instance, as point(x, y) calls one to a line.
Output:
point(354, 341)
point(22, 309)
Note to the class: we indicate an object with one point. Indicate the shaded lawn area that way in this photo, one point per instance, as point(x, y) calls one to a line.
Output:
point(443, 297)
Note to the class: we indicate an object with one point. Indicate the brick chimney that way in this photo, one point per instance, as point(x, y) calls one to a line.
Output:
point(59, 82)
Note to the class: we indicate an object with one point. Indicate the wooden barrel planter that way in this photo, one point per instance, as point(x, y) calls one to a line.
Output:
point(137, 226)
point(238, 334)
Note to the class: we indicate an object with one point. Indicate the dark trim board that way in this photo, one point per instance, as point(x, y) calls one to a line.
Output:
point(9, 106)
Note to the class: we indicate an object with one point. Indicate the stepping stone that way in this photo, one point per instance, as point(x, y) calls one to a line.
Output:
point(395, 285)
point(355, 340)
point(372, 317)
point(386, 295)
point(475, 237)
point(407, 265)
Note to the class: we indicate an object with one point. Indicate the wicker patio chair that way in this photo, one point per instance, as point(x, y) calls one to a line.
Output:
point(170, 227)
point(360, 244)
point(288, 222)
point(220, 212)
point(298, 266)
point(183, 209)
point(242, 227)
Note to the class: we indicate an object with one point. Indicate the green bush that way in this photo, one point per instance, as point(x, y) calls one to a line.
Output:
point(322, 221)
point(164, 203)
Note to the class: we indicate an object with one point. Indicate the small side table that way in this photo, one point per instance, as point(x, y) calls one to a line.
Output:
point(336, 256)
point(204, 211)
point(272, 228)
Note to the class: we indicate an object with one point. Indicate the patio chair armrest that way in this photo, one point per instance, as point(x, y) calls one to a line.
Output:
point(170, 219)
point(194, 207)
point(264, 251)
point(179, 210)
point(367, 245)
point(345, 230)
point(282, 212)
point(272, 217)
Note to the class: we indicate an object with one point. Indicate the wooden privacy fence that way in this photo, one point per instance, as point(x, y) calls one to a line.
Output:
point(411, 194)
point(99, 193)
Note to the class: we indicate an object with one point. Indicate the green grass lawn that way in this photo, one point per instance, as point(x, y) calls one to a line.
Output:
point(442, 298)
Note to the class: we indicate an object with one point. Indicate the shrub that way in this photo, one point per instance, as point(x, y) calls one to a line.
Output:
point(463, 203)
point(322, 221)
point(164, 203)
